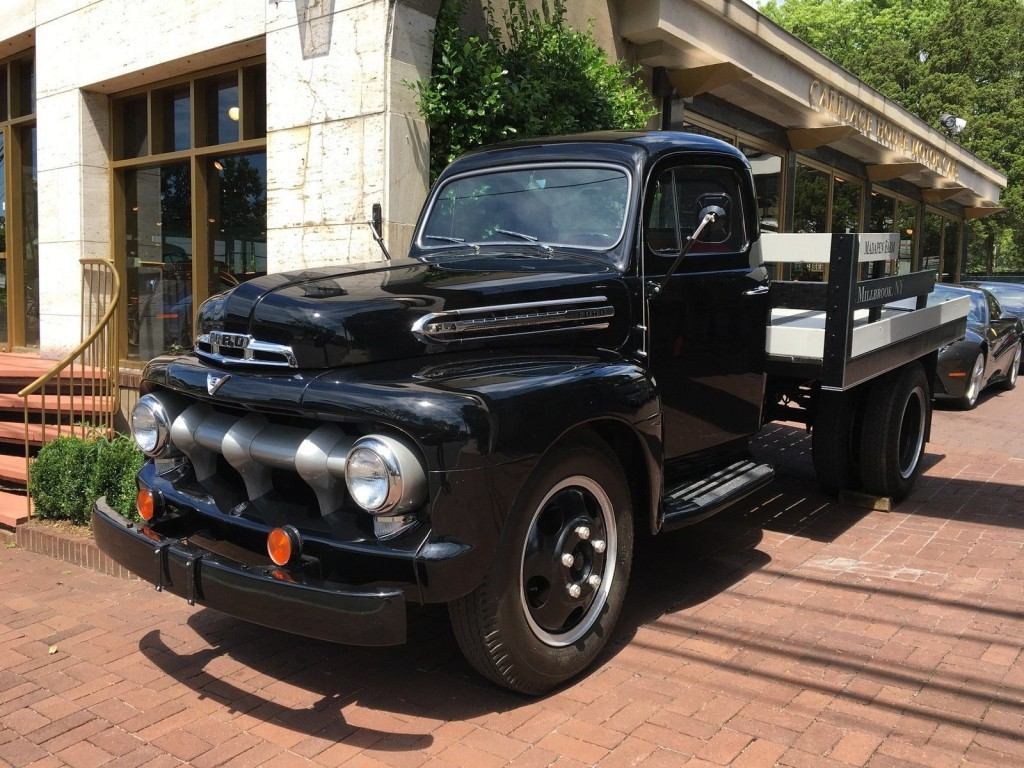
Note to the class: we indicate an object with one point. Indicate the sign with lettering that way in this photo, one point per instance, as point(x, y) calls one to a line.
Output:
point(878, 247)
point(849, 111)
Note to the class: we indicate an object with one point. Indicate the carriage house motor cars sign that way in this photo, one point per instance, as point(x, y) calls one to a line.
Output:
point(825, 98)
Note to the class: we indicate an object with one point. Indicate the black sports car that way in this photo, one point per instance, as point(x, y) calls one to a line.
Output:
point(989, 353)
point(1009, 295)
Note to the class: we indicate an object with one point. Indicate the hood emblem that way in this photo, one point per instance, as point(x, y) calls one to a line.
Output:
point(215, 382)
point(242, 349)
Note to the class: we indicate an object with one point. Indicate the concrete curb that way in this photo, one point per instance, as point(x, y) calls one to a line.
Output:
point(70, 548)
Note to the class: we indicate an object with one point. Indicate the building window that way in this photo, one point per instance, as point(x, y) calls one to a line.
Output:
point(847, 201)
point(19, 220)
point(767, 169)
point(952, 245)
point(190, 199)
point(893, 214)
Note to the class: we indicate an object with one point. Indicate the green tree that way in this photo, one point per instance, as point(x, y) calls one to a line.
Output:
point(973, 68)
point(530, 75)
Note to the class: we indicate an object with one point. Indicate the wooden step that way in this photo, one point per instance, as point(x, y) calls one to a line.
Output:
point(13, 510)
point(12, 470)
point(13, 433)
point(10, 401)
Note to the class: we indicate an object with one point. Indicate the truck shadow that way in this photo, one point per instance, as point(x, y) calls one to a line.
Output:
point(391, 699)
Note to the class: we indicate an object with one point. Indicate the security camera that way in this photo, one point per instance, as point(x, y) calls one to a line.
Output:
point(952, 123)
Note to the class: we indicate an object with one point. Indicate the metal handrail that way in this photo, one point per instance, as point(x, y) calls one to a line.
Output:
point(92, 393)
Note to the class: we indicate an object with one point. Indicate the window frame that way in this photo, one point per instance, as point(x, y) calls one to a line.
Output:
point(199, 159)
point(655, 262)
point(11, 128)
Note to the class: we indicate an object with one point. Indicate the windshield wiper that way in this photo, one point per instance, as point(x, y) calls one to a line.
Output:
point(445, 238)
point(521, 235)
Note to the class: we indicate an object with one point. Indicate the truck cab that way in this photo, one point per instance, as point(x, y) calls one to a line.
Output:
point(578, 347)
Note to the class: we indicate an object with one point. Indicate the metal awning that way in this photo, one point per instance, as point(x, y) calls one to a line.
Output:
point(729, 49)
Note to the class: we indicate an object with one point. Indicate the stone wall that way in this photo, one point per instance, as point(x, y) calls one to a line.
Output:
point(343, 131)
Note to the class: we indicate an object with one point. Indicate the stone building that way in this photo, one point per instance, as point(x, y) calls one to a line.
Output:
point(201, 143)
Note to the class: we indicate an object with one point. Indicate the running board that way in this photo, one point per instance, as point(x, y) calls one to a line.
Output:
point(695, 500)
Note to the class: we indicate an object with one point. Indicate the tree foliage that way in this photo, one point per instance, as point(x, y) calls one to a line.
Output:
point(973, 68)
point(530, 75)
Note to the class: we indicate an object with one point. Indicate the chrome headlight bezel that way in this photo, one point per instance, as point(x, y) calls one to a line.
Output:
point(152, 407)
point(403, 470)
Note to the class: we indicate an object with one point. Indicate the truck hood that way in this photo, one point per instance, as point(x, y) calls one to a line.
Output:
point(372, 312)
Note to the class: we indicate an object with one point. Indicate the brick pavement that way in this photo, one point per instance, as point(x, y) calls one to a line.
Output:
point(792, 631)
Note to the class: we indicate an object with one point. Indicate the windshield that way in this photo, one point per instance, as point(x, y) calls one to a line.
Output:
point(576, 207)
point(944, 293)
point(1010, 296)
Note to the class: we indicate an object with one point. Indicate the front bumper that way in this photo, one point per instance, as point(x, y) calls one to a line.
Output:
point(260, 594)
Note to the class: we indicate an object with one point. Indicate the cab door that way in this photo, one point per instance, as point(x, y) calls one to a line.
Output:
point(706, 325)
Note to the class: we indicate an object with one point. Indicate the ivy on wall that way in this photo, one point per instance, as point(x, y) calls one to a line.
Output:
point(531, 74)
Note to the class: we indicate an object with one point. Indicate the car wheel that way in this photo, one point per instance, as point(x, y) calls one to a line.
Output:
point(1010, 381)
point(896, 415)
point(556, 588)
point(974, 384)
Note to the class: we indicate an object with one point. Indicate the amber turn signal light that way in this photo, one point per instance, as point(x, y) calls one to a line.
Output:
point(283, 545)
point(146, 504)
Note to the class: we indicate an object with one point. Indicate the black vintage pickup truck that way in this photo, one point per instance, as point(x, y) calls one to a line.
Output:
point(577, 348)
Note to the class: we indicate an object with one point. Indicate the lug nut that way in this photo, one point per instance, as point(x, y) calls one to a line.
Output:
point(573, 590)
point(583, 532)
point(594, 580)
point(598, 545)
point(568, 560)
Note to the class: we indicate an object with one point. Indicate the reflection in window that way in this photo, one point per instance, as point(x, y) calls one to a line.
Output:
point(29, 234)
point(581, 207)
point(950, 250)
point(131, 116)
point(3, 242)
point(23, 87)
point(811, 200)
point(680, 194)
point(931, 242)
point(846, 204)
point(906, 224)
point(158, 251)
point(880, 216)
point(237, 220)
point(222, 109)
point(171, 119)
point(702, 131)
point(767, 170)
point(810, 214)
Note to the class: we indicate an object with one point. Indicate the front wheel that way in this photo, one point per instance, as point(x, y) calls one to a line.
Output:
point(896, 416)
point(555, 591)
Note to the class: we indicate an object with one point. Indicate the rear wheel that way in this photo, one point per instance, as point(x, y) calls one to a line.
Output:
point(1010, 381)
point(555, 591)
point(974, 384)
point(896, 415)
point(835, 441)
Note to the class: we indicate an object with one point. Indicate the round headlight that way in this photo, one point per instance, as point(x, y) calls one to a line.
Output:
point(384, 475)
point(151, 426)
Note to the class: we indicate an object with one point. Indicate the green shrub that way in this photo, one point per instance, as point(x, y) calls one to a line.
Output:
point(532, 74)
point(70, 473)
point(59, 481)
point(117, 463)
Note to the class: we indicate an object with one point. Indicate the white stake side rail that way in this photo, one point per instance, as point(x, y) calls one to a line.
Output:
point(848, 330)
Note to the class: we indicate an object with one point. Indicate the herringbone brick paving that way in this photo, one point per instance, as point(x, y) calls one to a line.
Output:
point(792, 631)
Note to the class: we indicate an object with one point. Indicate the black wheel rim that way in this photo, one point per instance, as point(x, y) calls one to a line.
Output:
point(568, 561)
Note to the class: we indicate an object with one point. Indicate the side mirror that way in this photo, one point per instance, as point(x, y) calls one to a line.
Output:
point(716, 227)
point(377, 220)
